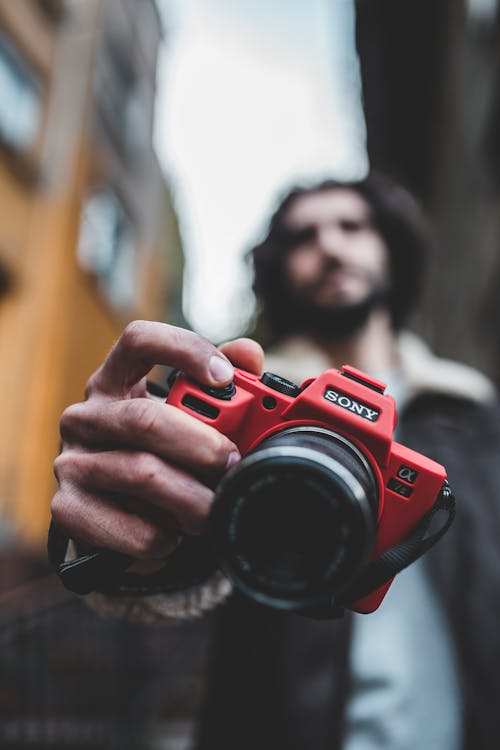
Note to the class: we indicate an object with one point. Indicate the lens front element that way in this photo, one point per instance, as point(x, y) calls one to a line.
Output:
point(295, 518)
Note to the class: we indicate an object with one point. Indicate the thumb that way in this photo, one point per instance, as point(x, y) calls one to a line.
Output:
point(244, 353)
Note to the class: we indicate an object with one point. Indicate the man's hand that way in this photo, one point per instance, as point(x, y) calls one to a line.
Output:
point(135, 473)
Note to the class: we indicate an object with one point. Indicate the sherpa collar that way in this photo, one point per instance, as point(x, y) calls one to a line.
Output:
point(298, 358)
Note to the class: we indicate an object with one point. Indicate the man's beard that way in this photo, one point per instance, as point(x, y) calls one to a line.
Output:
point(338, 322)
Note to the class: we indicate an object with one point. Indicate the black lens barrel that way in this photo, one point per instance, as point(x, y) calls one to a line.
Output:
point(294, 520)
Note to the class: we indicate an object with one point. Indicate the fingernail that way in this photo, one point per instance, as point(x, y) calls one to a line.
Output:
point(220, 369)
point(233, 459)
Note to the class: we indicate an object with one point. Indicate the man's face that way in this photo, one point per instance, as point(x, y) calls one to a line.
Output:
point(337, 258)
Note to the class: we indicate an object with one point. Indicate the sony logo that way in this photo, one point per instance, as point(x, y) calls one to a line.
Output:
point(350, 404)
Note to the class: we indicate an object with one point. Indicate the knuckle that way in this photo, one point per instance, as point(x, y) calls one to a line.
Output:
point(59, 467)
point(65, 465)
point(193, 347)
point(70, 420)
point(216, 450)
point(149, 541)
point(145, 468)
point(91, 386)
point(133, 334)
point(141, 415)
point(177, 337)
point(198, 347)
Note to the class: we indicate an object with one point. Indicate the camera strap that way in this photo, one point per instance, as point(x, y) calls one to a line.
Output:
point(194, 562)
point(105, 571)
point(380, 571)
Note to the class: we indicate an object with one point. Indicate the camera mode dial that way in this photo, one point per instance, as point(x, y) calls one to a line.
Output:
point(280, 384)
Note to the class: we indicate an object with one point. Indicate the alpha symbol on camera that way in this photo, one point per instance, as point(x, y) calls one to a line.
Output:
point(350, 404)
point(407, 474)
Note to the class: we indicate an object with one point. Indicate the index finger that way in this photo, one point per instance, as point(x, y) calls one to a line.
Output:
point(145, 343)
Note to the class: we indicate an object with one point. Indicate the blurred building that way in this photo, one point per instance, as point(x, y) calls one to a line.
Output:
point(88, 240)
point(88, 234)
point(431, 90)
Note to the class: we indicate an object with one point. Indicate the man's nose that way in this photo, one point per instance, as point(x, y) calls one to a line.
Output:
point(331, 242)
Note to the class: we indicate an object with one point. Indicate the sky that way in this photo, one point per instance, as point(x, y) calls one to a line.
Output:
point(254, 96)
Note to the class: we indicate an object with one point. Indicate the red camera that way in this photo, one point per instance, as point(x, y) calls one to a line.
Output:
point(322, 491)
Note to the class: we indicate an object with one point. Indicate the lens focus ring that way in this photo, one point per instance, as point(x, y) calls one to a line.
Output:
point(296, 517)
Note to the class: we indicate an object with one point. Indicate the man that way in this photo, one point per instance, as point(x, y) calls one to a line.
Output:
point(337, 276)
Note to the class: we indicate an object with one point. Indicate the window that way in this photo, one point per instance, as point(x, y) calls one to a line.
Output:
point(106, 248)
point(20, 100)
point(122, 101)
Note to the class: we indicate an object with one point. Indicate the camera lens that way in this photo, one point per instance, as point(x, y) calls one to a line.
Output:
point(294, 520)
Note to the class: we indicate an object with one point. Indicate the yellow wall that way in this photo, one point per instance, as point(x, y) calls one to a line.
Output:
point(55, 326)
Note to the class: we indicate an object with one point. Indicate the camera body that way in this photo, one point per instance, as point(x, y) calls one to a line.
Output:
point(345, 409)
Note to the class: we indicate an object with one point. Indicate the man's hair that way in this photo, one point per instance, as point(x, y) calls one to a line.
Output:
point(397, 217)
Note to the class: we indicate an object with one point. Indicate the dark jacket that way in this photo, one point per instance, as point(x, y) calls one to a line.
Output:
point(281, 681)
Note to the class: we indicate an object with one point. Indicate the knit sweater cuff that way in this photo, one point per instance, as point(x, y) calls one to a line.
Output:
point(180, 605)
